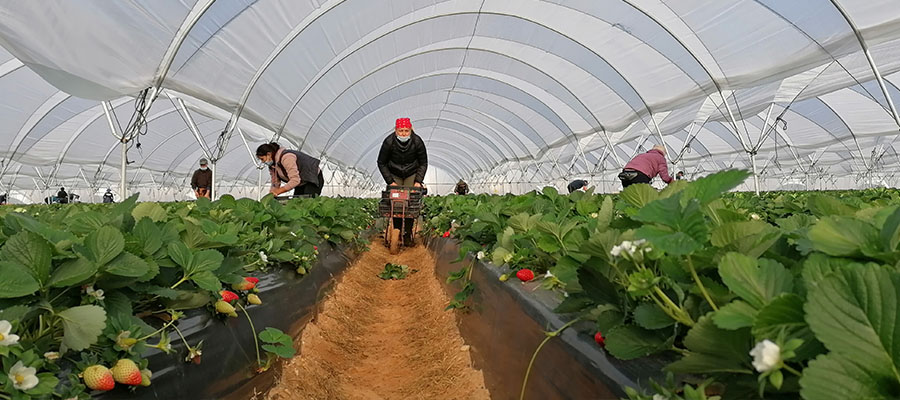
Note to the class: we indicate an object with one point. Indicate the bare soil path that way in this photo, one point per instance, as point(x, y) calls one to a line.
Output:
point(381, 339)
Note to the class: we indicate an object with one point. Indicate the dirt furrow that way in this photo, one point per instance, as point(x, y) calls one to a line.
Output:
point(379, 339)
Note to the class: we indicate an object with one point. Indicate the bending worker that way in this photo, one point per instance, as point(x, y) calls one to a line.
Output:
point(403, 159)
point(297, 170)
point(645, 167)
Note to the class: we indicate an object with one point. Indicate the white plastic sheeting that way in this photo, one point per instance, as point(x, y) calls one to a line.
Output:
point(510, 93)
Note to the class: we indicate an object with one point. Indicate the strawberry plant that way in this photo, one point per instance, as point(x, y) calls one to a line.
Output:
point(90, 288)
point(775, 296)
point(396, 272)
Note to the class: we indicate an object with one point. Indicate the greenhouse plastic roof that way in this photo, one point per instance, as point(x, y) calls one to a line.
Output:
point(520, 89)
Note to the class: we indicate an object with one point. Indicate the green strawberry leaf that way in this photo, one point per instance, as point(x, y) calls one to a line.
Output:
point(17, 280)
point(127, 264)
point(853, 312)
point(627, 342)
point(82, 325)
point(712, 350)
point(639, 195)
point(153, 211)
point(207, 280)
point(280, 351)
point(650, 316)
point(735, 315)
point(710, 187)
point(30, 250)
point(843, 236)
point(755, 281)
point(206, 260)
point(73, 272)
point(103, 245)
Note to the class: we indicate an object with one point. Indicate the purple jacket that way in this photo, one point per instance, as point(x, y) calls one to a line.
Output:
point(651, 163)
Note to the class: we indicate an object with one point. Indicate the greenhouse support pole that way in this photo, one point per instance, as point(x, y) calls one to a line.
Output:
point(259, 191)
point(865, 48)
point(114, 128)
point(755, 174)
point(122, 187)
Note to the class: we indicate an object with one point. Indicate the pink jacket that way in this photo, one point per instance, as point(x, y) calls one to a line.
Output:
point(289, 162)
point(651, 163)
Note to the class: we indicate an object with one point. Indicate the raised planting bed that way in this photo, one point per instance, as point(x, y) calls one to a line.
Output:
point(504, 322)
point(227, 367)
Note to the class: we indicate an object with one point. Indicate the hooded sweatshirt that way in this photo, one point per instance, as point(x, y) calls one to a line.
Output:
point(651, 163)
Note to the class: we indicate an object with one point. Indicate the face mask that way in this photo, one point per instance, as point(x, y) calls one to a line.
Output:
point(270, 163)
point(203, 168)
point(403, 139)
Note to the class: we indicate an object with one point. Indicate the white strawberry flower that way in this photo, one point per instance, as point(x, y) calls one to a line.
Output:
point(51, 355)
point(594, 215)
point(23, 378)
point(629, 248)
point(6, 338)
point(293, 234)
point(480, 255)
point(754, 216)
point(97, 294)
point(263, 257)
point(766, 356)
point(548, 275)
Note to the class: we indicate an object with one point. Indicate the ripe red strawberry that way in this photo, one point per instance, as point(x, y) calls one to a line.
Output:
point(97, 377)
point(525, 275)
point(228, 296)
point(447, 234)
point(600, 339)
point(315, 248)
point(247, 283)
point(126, 372)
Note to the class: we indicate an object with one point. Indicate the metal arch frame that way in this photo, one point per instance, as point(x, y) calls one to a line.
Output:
point(187, 25)
point(484, 50)
point(472, 165)
point(94, 119)
point(334, 63)
point(10, 66)
point(625, 80)
point(697, 59)
point(170, 137)
point(283, 45)
point(473, 133)
point(335, 135)
point(485, 162)
point(36, 117)
point(386, 91)
point(843, 122)
point(512, 153)
point(511, 131)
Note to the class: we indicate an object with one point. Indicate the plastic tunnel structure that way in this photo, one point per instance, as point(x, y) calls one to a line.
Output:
point(508, 95)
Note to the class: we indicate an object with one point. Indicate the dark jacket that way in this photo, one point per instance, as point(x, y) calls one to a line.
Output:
point(461, 189)
point(576, 185)
point(403, 159)
point(201, 179)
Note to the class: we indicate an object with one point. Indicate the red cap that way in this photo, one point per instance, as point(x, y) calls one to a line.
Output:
point(403, 123)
